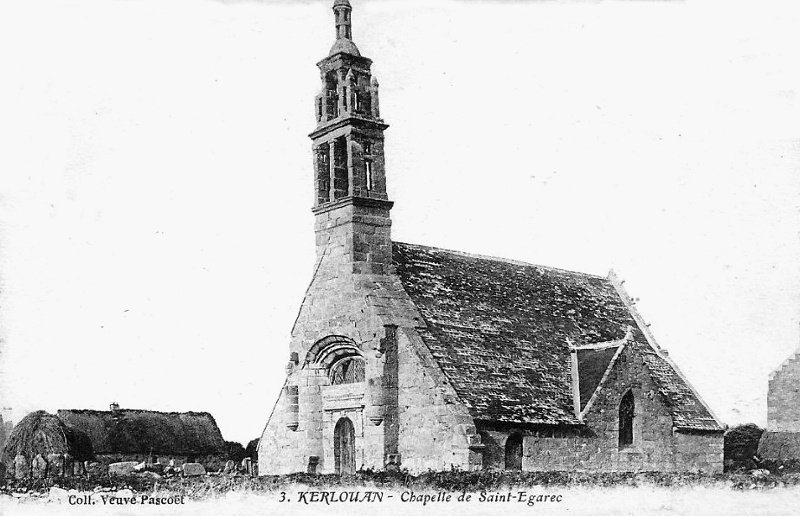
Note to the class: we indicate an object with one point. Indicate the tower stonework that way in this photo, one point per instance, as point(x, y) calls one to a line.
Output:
point(419, 358)
point(356, 324)
point(351, 205)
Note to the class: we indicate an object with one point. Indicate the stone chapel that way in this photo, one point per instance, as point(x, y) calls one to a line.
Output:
point(411, 357)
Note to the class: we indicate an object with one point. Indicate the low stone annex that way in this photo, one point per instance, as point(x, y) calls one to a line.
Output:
point(411, 357)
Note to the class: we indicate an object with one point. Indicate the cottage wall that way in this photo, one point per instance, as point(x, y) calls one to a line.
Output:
point(783, 397)
point(656, 445)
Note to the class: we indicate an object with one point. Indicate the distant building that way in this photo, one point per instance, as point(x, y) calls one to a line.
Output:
point(6, 426)
point(126, 434)
point(406, 356)
point(781, 440)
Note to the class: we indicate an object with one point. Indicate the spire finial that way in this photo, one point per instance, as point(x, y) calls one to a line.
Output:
point(344, 33)
point(341, 12)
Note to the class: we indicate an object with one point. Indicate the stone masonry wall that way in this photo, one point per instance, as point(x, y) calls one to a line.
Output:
point(279, 450)
point(783, 397)
point(656, 446)
point(436, 430)
point(354, 295)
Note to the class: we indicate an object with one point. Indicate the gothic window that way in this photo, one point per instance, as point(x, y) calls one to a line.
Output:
point(347, 370)
point(514, 451)
point(626, 412)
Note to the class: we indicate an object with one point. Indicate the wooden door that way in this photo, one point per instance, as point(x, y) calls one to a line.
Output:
point(344, 447)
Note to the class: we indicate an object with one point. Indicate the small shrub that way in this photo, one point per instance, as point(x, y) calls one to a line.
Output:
point(741, 447)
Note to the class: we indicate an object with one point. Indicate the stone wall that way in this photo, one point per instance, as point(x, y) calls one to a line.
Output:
point(783, 397)
point(352, 295)
point(280, 449)
point(656, 445)
point(436, 430)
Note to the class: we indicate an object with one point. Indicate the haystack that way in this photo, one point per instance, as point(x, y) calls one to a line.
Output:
point(45, 434)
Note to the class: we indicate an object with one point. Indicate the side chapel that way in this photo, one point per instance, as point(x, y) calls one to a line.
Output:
point(406, 356)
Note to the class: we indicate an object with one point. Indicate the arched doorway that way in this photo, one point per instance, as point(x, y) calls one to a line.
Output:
point(514, 451)
point(344, 447)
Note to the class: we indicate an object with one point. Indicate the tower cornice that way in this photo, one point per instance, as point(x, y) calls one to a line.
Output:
point(353, 201)
point(350, 120)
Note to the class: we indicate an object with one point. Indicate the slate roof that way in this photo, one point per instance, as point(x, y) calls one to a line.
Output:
point(501, 332)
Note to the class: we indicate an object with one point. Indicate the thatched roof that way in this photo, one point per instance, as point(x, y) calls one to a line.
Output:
point(40, 432)
point(2, 432)
point(127, 431)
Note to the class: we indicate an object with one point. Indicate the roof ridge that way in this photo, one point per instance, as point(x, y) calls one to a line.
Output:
point(170, 413)
point(510, 261)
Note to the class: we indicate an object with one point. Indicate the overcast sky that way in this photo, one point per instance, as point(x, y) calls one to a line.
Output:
point(156, 236)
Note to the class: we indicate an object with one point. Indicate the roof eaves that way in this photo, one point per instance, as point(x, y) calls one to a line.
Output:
point(680, 374)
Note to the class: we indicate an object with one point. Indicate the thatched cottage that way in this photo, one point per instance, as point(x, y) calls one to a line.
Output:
point(406, 356)
point(136, 435)
point(44, 435)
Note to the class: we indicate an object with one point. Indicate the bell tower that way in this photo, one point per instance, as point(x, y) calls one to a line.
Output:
point(351, 205)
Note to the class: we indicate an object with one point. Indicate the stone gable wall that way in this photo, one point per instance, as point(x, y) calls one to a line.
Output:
point(783, 397)
point(656, 446)
point(280, 450)
point(352, 294)
point(436, 430)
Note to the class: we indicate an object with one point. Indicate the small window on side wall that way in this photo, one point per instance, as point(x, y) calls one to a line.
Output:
point(626, 413)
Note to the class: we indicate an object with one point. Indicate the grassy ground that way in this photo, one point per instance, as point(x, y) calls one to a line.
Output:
point(211, 486)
